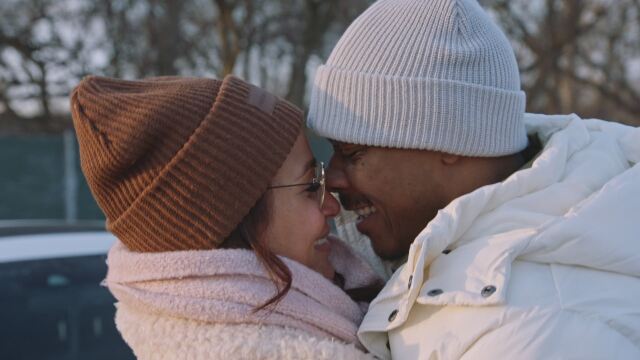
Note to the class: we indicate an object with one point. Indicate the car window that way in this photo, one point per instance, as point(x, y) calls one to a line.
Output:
point(59, 306)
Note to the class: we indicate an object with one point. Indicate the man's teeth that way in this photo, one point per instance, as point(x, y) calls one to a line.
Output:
point(321, 241)
point(365, 211)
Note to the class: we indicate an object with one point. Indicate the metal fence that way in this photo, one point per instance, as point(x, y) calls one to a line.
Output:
point(40, 178)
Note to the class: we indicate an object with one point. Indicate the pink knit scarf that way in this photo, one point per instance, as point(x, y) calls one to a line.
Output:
point(224, 286)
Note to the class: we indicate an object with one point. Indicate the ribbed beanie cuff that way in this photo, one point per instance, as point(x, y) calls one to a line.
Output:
point(434, 75)
point(417, 113)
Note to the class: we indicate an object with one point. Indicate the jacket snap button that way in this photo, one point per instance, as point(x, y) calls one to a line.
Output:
point(410, 281)
point(435, 292)
point(488, 291)
point(446, 251)
point(393, 314)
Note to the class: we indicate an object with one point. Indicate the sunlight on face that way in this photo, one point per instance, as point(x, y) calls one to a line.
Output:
point(395, 192)
point(298, 224)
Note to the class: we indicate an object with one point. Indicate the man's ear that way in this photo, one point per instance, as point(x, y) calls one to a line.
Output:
point(449, 159)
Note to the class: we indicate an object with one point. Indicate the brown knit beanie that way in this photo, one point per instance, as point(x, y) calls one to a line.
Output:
point(176, 163)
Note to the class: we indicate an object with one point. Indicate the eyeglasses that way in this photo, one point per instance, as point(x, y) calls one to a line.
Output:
point(316, 185)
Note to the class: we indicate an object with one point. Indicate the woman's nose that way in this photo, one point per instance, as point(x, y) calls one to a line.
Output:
point(330, 207)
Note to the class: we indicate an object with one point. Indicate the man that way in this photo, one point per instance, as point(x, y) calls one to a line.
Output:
point(520, 232)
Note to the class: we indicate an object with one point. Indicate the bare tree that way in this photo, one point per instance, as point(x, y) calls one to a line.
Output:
point(47, 46)
point(143, 38)
point(576, 55)
point(308, 35)
point(30, 49)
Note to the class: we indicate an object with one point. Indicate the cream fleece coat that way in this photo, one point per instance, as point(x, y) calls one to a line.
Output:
point(163, 337)
point(199, 304)
point(544, 265)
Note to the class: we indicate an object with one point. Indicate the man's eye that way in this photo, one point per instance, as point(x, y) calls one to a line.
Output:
point(354, 155)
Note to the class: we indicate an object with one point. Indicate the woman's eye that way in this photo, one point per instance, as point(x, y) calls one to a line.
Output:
point(313, 188)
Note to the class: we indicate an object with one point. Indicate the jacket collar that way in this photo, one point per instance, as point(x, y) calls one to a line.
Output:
point(443, 267)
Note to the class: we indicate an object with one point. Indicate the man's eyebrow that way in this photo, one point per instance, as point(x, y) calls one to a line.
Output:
point(345, 147)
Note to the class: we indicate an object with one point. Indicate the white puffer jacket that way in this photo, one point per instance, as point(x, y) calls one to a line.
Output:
point(545, 265)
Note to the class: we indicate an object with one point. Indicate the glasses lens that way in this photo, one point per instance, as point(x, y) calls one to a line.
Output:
point(320, 179)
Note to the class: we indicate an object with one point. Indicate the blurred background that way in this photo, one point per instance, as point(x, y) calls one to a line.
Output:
point(579, 56)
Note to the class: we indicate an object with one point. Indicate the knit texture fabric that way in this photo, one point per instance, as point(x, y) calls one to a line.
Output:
point(226, 285)
point(436, 75)
point(176, 163)
point(158, 337)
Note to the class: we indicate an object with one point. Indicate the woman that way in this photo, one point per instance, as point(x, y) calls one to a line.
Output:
point(221, 216)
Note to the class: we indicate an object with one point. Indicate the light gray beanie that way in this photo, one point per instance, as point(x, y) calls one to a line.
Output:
point(422, 74)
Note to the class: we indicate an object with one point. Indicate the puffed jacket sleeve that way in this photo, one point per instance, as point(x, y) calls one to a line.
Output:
point(567, 335)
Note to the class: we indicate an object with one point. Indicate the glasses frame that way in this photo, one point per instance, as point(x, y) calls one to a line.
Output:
point(318, 179)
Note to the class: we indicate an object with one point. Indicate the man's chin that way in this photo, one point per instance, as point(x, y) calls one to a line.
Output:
point(387, 251)
point(384, 244)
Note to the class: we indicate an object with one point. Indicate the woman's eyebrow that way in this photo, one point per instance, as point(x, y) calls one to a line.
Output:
point(311, 164)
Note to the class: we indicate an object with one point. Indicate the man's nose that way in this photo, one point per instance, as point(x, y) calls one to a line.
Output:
point(336, 177)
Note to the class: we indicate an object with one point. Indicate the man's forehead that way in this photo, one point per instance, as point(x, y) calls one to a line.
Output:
point(339, 145)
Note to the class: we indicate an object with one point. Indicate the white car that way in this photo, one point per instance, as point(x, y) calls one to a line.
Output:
point(52, 305)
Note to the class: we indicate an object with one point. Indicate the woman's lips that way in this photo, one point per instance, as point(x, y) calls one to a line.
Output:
point(322, 245)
